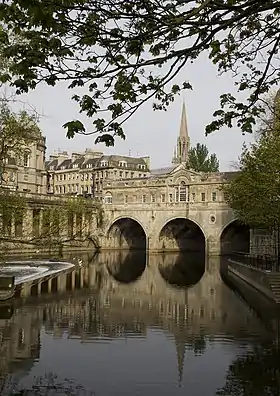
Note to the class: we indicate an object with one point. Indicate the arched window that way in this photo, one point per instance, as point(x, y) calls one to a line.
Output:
point(26, 159)
point(183, 192)
point(108, 198)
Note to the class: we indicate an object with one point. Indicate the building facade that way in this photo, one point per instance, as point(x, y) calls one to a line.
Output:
point(85, 173)
point(27, 173)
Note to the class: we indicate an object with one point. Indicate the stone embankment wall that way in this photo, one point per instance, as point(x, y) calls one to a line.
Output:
point(49, 223)
point(266, 282)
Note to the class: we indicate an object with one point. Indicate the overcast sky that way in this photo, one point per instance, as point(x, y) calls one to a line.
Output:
point(148, 132)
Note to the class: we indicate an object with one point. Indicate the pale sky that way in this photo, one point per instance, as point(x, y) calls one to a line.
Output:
point(148, 132)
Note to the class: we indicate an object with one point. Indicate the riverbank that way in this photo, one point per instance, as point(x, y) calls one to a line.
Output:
point(265, 281)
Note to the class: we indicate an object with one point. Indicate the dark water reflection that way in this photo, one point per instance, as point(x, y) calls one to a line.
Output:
point(129, 324)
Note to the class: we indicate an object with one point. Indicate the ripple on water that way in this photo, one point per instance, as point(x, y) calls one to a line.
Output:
point(141, 338)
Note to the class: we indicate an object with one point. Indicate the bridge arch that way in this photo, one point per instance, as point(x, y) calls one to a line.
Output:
point(181, 234)
point(182, 271)
point(126, 267)
point(235, 236)
point(126, 232)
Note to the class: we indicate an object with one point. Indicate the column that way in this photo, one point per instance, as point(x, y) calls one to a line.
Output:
point(61, 283)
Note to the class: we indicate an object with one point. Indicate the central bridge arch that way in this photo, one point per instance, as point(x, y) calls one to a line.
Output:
point(182, 234)
point(126, 233)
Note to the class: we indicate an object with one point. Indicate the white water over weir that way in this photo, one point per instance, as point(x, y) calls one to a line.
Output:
point(29, 270)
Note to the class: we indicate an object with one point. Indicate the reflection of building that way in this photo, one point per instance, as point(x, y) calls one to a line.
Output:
point(89, 304)
point(28, 172)
point(20, 340)
point(93, 305)
point(85, 173)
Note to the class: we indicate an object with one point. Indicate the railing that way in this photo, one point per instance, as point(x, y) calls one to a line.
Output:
point(263, 262)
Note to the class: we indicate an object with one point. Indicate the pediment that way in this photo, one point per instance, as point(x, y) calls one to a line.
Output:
point(181, 172)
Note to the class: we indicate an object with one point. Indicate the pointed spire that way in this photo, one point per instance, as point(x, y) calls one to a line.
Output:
point(180, 352)
point(183, 140)
point(184, 126)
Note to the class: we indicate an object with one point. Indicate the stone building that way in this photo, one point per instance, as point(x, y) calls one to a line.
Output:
point(28, 172)
point(85, 173)
point(161, 185)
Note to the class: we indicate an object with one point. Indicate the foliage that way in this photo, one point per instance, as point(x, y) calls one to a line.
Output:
point(254, 193)
point(125, 53)
point(12, 207)
point(49, 384)
point(200, 161)
point(99, 215)
point(59, 220)
point(17, 132)
point(255, 374)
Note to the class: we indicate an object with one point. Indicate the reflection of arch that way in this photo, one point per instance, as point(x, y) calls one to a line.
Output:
point(127, 233)
point(185, 272)
point(128, 268)
point(235, 236)
point(180, 233)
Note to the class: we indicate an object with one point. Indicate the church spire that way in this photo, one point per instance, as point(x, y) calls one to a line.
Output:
point(183, 140)
point(180, 352)
point(184, 126)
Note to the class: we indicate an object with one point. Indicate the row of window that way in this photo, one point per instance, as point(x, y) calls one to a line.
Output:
point(122, 164)
point(73, 188)
point(179, 196)
point(98, 175)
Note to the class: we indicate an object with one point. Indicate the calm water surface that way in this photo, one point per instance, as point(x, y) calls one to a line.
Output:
point(128, 324)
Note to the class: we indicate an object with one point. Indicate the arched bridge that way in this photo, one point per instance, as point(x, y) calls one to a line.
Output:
point(173, 209)
point(177, 227)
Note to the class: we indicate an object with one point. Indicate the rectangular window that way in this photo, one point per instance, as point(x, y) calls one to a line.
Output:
point(214, 196)
point(143, 198)
point(176, 194)
point(153, 198)
point(203, 197)
point(162, 197)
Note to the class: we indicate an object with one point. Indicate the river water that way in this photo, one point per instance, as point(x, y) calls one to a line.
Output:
point(128, 324)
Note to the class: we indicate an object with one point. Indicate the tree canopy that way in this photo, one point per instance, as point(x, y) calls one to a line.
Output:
point(200, 161)
point(254, 193)
point(117, 55)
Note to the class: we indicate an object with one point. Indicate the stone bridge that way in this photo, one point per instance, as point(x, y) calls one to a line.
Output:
point(175, 226)
point(173, 209)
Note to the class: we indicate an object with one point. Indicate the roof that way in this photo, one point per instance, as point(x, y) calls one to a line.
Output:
point(163, 171)
point(81, 162)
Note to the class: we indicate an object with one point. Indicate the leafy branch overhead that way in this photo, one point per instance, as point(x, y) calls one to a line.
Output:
point(116, 55)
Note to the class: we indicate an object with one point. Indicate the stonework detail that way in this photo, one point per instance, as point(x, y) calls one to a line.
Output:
point(27, 173)
point(170, 194)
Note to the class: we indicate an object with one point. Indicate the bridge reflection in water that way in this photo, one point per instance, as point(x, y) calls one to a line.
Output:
point(126, 295)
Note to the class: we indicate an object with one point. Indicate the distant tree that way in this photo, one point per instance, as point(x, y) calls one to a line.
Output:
point(254, 193)
point(124, 53)
point(200, 161)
